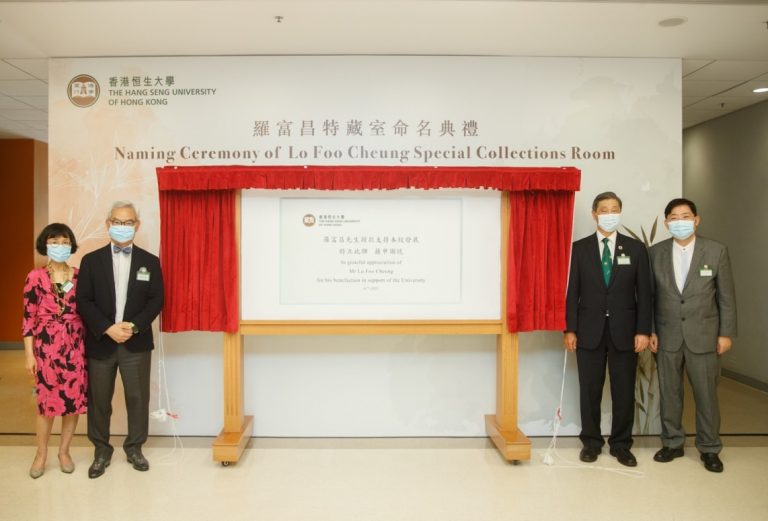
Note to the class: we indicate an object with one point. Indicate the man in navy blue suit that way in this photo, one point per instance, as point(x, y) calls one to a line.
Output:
point(608, 321)
point(119, 294)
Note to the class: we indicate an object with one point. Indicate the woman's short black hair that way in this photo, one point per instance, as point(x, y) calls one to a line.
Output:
point(52, 231)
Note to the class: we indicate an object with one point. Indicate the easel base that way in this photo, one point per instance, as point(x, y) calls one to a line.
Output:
point(229, 446)
point(513, 446)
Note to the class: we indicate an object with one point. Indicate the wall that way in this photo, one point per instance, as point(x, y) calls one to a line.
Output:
point(24, 174)
point(725, 172)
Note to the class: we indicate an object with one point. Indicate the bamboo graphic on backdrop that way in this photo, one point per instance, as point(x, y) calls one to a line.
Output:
point(647, 419)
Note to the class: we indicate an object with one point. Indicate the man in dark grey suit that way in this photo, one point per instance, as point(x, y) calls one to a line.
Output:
point(119, 294)
point(608, 321)
point(695, 315)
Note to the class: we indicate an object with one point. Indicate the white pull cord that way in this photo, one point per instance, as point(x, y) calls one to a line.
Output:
point(549, 455)
point(163, 414)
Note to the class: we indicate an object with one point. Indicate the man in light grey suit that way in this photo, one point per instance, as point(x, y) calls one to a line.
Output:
point(695, 317)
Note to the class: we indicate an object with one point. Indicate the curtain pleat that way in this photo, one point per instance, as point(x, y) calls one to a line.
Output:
point(198, 253)
point(540, 230)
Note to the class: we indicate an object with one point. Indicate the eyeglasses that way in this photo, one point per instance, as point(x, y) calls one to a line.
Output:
point(115, 222)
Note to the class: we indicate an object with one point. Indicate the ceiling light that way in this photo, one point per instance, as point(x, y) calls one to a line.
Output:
point(673, 22)
point(760, 90)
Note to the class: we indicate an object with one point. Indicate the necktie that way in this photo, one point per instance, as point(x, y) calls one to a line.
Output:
point(117, 249)
point(606, 261)
point(683, 267)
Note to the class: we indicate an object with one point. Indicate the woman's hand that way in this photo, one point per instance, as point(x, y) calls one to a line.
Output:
point(30, 363)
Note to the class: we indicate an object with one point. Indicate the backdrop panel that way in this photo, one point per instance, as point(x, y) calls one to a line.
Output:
point(616, 120)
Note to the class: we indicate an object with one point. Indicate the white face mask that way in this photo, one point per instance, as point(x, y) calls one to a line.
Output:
point(681, 230)
point(609, 222)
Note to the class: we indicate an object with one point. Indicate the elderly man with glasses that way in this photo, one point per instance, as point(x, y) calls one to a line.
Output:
point(119, 295)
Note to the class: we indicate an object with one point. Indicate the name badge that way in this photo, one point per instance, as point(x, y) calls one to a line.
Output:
point(142, 274)
point(623, 260)
point(67, 286)
point(706, 271)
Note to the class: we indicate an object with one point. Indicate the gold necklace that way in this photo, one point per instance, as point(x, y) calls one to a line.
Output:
point(52, 270)
point(58, 287)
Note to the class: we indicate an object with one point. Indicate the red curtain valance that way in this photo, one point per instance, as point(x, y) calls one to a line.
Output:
point(366, 178)
point(199, 255)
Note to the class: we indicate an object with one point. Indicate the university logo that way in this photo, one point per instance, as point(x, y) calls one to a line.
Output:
point(309, 220)
point(83, 90)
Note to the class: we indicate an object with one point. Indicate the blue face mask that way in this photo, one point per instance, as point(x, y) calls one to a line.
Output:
point(609, 221)
point(58, 252)
point(121, 233)
point(681, 230)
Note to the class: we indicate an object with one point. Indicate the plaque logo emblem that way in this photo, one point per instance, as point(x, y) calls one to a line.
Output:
point(309, 220)
point(83, 90)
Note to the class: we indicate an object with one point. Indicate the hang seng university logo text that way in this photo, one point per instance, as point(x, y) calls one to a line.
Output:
point(83, 90)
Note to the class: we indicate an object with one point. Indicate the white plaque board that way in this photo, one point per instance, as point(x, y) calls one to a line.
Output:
point(383, 255)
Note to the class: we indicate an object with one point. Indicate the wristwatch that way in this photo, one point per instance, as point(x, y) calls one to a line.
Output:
point(134, 329)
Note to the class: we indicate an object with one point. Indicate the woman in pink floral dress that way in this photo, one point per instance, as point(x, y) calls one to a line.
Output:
point(53, 342)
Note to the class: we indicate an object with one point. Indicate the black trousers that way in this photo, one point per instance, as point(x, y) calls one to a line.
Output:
point(134, 371)
point(622, 368)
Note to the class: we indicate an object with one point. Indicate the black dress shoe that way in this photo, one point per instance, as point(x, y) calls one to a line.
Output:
point(138, 461)
point(589, 454)
point(712, 462)
point(625, 457)
point(667, 454)
point(98, 467)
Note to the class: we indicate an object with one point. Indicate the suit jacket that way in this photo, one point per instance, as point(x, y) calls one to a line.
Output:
point(96, 301)
point(626, 298)
point(705, 309)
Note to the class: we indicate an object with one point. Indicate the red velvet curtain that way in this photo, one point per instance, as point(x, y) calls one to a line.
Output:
point(199, 253)
point(540, 228)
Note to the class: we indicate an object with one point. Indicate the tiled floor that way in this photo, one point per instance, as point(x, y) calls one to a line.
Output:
point(386, 479)
point(421, 482)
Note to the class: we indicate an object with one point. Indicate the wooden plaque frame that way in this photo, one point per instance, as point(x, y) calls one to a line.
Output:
point(501, 427)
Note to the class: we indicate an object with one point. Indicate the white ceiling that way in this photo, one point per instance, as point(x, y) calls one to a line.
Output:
point(723, 44)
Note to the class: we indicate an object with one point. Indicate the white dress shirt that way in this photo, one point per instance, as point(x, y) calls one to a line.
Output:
point(121, 267)
point(611, 243)
point(679, 255)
